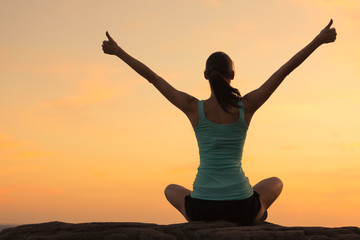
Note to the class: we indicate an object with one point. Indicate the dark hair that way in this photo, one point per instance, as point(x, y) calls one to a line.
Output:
point(219, 68)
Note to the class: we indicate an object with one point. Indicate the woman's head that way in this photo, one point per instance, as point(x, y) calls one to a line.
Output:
point(220, 71)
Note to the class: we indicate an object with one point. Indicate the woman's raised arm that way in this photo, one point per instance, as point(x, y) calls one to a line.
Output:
point(181, 100)
point(258, 97)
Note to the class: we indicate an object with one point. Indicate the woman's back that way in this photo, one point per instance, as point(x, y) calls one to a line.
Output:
point(214, 113)
point(220, 175)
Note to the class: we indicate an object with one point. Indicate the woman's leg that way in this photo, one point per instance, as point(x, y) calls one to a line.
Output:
point(175, 194)
point(269, 189)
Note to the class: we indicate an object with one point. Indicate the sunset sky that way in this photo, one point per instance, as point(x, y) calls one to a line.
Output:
point(83, 138)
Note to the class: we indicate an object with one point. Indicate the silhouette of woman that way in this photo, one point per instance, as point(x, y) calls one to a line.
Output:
point(221, 191)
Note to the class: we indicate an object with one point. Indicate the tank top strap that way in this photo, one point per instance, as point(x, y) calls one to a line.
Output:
point(240, 104)
point(202, 116)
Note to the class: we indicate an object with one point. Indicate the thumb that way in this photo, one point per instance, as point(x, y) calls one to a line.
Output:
point(108, 36)
point(329, 25)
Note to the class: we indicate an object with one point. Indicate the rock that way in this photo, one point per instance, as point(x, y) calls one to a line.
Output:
point(219, 230)
point(6, 226)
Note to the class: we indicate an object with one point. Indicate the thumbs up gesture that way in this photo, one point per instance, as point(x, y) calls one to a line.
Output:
point(110, 46)
point(327, 35)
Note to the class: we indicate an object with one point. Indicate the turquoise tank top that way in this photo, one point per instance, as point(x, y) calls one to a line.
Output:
point(220, 175)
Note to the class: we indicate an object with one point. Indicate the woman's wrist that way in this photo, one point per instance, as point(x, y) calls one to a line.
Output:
point(119, 52)
point(317, 41)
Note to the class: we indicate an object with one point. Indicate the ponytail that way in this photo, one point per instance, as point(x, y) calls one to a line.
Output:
point(226, 95)
point(219, 70)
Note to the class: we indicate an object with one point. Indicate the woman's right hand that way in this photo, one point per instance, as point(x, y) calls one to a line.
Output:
point(110, 46)
point(327, 35)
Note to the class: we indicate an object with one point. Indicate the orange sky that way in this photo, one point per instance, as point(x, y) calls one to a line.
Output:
point(84, 138)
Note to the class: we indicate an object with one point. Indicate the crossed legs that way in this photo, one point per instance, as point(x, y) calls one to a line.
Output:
point(175, 194)
point(269, 189)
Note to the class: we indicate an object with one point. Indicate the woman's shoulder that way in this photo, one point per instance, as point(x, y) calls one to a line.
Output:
point(192, 111)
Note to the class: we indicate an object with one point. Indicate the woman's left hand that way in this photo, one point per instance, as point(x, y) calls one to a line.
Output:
point(110, 46)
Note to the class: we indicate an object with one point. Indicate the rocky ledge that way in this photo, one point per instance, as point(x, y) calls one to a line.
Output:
point(195, 230)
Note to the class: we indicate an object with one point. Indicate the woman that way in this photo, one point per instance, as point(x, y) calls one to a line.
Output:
point(221, 191)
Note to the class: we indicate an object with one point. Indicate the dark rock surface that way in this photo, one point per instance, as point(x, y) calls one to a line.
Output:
point(220, 230)
point(6, 226)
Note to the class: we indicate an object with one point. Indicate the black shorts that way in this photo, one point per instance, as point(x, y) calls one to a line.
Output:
point(240, 211)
